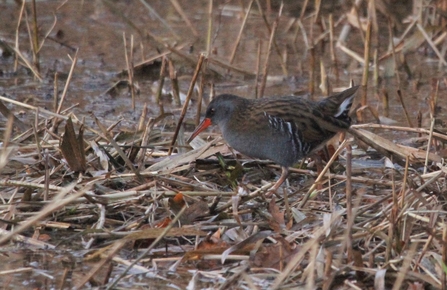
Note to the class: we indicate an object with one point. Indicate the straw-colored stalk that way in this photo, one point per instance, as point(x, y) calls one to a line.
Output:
point(70, 75)
point(241, 30)
point(35, 37)
point(200, 99)
point(185, 18)
point(269, 50)
point(210, 27)
point(322, 173)
point(269, 29)
point(404, 107)
point(350, 216)
point(129, 64)
point(121, 243)
point(332, 49)
point(188, 98)
point(161, 82)
point(385, 103)
point(174, 81)
point(258, 67)
point(366, 55)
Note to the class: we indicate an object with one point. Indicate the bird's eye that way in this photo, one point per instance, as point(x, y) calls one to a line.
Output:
point(212, 111)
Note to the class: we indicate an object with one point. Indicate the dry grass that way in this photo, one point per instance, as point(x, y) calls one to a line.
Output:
point(199, 218)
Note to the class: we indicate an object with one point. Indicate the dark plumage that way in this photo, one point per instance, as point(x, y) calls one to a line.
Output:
point(282, 129)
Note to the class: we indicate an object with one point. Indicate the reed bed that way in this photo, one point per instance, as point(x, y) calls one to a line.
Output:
point(146, 210)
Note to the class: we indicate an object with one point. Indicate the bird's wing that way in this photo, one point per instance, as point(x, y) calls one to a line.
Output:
point(290, 130)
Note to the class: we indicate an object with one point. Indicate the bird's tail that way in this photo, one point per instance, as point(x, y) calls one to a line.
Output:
point(335, 109)
point(339, 105)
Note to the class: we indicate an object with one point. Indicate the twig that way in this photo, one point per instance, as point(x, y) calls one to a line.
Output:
point(392, 217)
point(174, 81)
point(229, 67)
point(161, 81)
point(55, 91)
point(350, 216)
point(322, 174)
point(17, 122)
point(404, 182)
point(149, 249)
point(58, 202)
point(162, 21)
point(35, 37)
point(366, 56)
point(312, 60)
point(210, 27)
point(200, 100)
point(47, 174)
point(266, 62)
point(401, 100)
point(408, 260)
point(118, 149)
point(142, 120)
point(184, 16)
point(331, 43)
point(430, 137)
point(70, 75)
point(258, 68)
point(100, 265)
point(188, 98)
point(241, 30)
point(376, 75)
point(16, 47)
point(397, 128)
point(351, 53)
point(393, 51)
point(430, 42)
point(129, 65)
point(278, 52)
point(444, 257)
point(28, 65)
point(36, 136)
point(46, 36)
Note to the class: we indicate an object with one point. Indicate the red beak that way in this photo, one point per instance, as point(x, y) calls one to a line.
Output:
point(202, 126)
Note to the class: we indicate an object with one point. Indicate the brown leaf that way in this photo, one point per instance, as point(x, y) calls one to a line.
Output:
point(275, 256)
point(245, 245)
point(358, 262)
point(73, 148)
point(211, 245)
point(195, 208)
point(277, 222)
point(212, 242)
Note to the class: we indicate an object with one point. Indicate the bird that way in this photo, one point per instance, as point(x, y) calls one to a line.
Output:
point(282, 129)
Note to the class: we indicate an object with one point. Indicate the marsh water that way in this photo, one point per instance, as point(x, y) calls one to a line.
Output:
point(95, 30)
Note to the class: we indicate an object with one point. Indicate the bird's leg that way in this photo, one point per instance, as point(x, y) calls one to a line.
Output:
point(282, 178)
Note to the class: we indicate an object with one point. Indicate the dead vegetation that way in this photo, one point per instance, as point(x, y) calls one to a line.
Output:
point(144, 209)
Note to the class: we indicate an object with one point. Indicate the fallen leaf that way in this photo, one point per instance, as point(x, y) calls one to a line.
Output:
point(245, 244)
point(275, 255)
point(72, 147)
point(277, 222)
